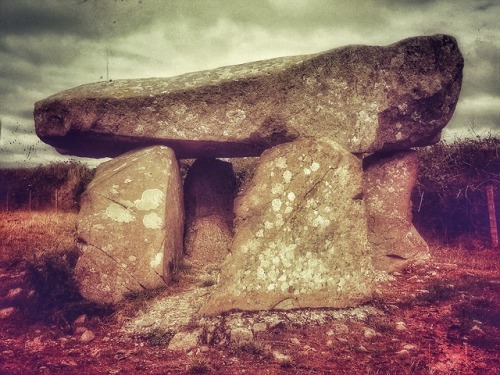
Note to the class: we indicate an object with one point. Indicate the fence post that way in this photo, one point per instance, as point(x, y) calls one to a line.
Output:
point(57, 199)
point(492, 216)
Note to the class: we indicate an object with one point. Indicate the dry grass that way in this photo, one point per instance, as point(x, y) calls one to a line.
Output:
point(26, 235)
point(467, 256)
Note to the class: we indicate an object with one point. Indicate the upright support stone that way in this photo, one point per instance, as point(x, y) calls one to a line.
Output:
point(130, 226)
point(366, 98)
point(209, 192)
point(301, 236)
point(389, 180)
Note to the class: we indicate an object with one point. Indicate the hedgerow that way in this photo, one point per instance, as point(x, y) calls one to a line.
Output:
point(450, 199)
point(35, 188)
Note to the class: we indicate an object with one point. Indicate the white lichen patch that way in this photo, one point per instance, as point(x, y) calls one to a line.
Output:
point(152, 221)
point(114, 189)
point(281, 162)
point(291, 196)
point(277, 189)
point(132, 258)
point(151, 199)
point(320, 222)
point(280, 268)
point(276, 204)
point(279, 220)
point(119, 214)
point(157, 260)
point(287, 176)
point(314, 166)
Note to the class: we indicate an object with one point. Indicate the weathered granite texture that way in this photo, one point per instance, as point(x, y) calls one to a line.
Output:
point(209, 192)
point(130, 226)
point(301, 238)
point(365, 98)
point(389, 180)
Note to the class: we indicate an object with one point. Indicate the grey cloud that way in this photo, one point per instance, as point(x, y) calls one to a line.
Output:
point(482, 70)
point(42, 50)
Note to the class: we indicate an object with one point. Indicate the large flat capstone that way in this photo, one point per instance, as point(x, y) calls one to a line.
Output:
point(130, 225)
point(366, 98)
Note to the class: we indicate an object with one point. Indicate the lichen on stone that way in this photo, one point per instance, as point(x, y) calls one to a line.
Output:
point(119, 213)
point(152, 221)
point(150, 199)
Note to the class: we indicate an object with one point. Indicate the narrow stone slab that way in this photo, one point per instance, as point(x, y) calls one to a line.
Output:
point(130, 225)
point(301, 236)
point(209, 192)
point(366, 98)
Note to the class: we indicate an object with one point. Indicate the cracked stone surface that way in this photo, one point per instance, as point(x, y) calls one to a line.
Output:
point(366, 98)
point(389, 180)
point(301, 234)
point(130, 225)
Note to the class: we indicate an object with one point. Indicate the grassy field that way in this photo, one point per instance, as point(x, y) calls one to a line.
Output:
point(26, 235)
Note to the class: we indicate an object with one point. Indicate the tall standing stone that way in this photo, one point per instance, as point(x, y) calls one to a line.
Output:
point(389, 181)
point(301, 236)
point(366, 98)
point(130, 226)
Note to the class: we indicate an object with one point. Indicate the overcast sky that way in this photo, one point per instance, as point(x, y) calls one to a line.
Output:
point(47, 46)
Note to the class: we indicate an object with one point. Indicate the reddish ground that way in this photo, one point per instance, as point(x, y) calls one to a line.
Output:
point(436, 318)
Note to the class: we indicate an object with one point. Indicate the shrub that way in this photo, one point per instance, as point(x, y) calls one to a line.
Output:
point(449, 199)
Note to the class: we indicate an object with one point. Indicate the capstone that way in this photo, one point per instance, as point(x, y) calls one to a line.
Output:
point(366, 98)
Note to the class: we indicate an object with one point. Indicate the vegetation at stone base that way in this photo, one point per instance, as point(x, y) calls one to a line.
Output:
point(56, 297)
point(39, 246)
point(158, 338)
point(200, 366)
point(20, 187)
point(450, 199)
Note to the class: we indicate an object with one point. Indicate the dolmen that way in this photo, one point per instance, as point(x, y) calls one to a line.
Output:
point(328, 207)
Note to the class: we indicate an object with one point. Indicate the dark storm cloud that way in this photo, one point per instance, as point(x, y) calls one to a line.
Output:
point(27, 17)
point(85, 18)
